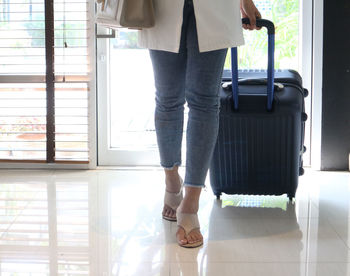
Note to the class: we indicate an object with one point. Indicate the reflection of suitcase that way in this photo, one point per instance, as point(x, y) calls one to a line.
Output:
point(259, 147)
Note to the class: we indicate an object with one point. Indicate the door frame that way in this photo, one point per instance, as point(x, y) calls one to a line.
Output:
point(317, 78)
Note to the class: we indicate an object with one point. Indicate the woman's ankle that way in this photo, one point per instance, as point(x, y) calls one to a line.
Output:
point(172, 181)
point(189, 205)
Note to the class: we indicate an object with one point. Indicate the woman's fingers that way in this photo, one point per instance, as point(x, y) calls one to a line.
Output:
point(258, 15)
point(252, 20)
point(249, 10)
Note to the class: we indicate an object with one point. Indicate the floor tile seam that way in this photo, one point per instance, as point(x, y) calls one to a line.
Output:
point(338, 235)
point(236, 262)
point(262, 218)
point(312, 200)
point(130, 168)
point(266, 218)
point(167, 263)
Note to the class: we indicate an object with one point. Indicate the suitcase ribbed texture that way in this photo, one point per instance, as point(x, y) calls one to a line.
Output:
point(256, 154)
point(259, 152)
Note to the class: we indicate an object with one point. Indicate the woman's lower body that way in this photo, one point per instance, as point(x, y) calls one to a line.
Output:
point(193, 77)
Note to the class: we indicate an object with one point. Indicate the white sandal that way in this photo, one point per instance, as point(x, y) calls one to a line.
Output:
point(173, 200)
point(189, 222)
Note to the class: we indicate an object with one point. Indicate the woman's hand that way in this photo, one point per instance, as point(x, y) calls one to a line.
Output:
point(249, 10)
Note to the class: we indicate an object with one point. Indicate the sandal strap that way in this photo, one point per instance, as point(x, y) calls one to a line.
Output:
point(188, 221)
point(174, 199)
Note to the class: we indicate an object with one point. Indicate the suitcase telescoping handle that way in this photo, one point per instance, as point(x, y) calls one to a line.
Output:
point(270, 67)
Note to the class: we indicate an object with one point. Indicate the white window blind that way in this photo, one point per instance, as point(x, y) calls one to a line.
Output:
point(24, 105)
point(72, 79)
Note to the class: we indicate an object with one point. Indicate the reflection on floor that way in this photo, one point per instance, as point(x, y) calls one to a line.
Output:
point(108, 222)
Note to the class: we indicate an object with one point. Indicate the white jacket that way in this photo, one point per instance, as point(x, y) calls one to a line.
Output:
point(218, 25)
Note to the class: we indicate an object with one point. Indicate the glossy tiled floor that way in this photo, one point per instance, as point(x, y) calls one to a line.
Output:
point(108, 222)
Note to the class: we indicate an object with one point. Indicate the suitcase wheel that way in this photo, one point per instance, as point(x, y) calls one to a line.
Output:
point(218, 196)
point(306, 92)
point(304, 149)
point(291, 196)
point(301, 171)
point(304, 117)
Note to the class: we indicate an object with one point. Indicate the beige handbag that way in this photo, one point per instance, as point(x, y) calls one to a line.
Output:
point(132, 14)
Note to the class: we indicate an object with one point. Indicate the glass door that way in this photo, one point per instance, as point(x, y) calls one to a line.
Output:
point(126, 97)
point(126, 92)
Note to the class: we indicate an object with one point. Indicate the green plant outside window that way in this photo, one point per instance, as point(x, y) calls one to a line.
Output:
point(253, 55)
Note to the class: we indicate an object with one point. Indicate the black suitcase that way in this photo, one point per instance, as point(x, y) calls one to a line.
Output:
point(260, 143)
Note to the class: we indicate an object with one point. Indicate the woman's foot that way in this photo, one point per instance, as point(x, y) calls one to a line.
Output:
point(173, 185)
point(189, 204)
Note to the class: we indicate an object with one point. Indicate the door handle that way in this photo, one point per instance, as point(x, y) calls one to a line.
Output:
point(111, 35)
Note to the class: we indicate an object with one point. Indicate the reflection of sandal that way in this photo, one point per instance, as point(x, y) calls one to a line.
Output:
point(189, 222)
point(173, 200)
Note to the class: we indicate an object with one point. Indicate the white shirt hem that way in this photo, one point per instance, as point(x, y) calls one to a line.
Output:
point(202, 48)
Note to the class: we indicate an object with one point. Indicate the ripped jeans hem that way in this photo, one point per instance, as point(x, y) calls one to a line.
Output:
point(193, 185)
point(172, 167)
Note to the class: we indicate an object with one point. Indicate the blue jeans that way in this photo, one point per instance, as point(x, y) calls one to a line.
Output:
point(193, 77)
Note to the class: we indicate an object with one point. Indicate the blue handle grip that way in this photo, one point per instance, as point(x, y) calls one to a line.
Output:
point(270, 67)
